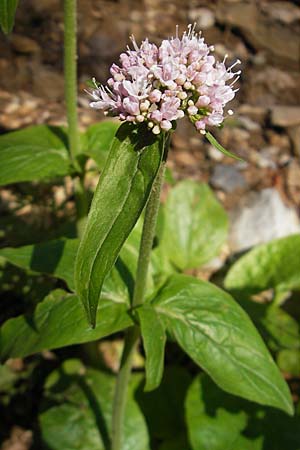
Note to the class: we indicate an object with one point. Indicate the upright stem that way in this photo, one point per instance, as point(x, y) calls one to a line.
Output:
point(70, 69)
point(133, 333)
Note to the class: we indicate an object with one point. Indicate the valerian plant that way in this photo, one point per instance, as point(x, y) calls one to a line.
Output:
point(144, 292)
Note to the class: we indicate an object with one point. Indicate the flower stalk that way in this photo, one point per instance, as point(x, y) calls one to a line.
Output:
point(133, 333)
point(70, 71)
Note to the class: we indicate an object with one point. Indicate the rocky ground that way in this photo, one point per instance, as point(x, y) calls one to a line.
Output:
point(261, 193)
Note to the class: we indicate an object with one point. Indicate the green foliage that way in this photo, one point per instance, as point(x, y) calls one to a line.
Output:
point(154, 340)
point(7, 14)
point(53, 257)
point(34, 153)
point(120, 197)
point(59, 321)
point(288, 360)
point(195, 225)
point(219, 336)
point(80, 413)
point(218, 421)
point(99, 137)
point(272, 265)
point(219, 147)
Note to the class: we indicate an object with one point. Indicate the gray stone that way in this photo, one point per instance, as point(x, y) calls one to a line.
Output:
point(263, 216)
point(204, 18)
point(261, 31)
point(285, 116)
point(227, 178)
point(294, 134)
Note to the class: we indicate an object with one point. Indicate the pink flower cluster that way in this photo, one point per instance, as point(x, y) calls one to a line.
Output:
point(159, 85)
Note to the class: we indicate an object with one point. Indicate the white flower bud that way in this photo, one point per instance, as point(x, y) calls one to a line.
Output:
point(144, 106)
point(156, 129)
point(187, 85)
point(182, 95)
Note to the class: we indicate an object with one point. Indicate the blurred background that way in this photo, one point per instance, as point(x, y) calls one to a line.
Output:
point(261, 194)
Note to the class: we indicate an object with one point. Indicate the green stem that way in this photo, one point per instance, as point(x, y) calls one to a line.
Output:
point(133, 333)
point(70, 70)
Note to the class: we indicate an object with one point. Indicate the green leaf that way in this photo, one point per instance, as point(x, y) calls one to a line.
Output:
point(53, 257)
point(7, 14)
point(154, 340)
point(58, 321)
point(288, 361)
point(195, 225)
point(213, 425)
point(99, 139)
point(81, 410)
point(272, 265)
point(282, 330)
point(121, 194)
point(219, 421)
point(219, 147)
point(219, 336)
point(34, 153)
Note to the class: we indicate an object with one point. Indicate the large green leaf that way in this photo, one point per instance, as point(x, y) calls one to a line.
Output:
point(195, 226)
point(121, 194)
point(34, 153)
point(7, 14)
point(218, 335)
point(53, 257)
point(59, 320)
point(219, 421)
point(272, 265)
point(81, 410)
point(154, 340)
point(99, 137)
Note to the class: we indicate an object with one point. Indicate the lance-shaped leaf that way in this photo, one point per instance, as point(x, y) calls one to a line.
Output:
point(7, 14)
point(154, 340)
point(219, 336)
point(219, 147)
point(272, 265)
point(120, 197)
point(34, 153)
point(58, 321)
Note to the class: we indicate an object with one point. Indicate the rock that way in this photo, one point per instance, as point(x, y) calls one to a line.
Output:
point(203, 17)
point(215, 154)
point(257, 113)
point(293, 181)
point(284, 12)
point(261, 217)
point(267, 156)
point(285, 116)
point(227, 178)
point(248, 123)
point(294, 134)
point(24, 44)
point(261, 31)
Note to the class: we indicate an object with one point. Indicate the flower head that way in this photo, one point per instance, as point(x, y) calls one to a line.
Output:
point(159, 85)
